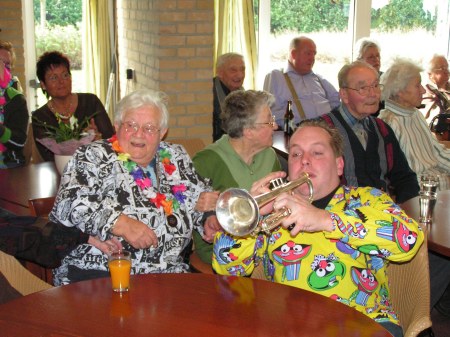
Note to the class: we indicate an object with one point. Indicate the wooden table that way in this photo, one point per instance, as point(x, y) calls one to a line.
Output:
point(27, 182)
point(182, 305)
point(439, 230)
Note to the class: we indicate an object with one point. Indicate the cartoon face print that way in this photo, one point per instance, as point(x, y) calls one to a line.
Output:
point(289, 256)
point(397, 232)
point(223, 247)
point(326, 272)
point(79, 214)
point(364, 280)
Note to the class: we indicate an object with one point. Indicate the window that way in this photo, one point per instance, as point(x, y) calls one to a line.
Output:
point(410, 28)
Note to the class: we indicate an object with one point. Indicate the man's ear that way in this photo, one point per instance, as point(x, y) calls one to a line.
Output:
point(340, 165)
point(344, 95)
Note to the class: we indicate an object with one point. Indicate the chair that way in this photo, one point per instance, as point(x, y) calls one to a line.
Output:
point(197, 265)
point(192, 145)
point(409, 285)
point(20, 279)
point(40, 207)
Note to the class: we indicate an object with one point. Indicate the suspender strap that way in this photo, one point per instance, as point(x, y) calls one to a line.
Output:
point(297, 102)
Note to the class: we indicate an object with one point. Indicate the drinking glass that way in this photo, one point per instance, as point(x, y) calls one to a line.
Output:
point(429, 183)
point(119, 267)
point(427, 200)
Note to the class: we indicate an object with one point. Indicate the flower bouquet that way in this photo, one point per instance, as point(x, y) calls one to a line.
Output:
point(65, 138)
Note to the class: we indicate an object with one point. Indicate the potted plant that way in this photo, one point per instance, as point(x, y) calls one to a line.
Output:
point(65, 138)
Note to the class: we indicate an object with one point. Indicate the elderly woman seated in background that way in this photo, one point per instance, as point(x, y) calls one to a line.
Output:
point(402, 94)
point(368, 50)
point(241, 156)
point(53, 71)
point(436, 98)
point(132, 191)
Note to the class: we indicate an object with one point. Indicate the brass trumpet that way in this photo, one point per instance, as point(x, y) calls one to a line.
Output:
point(238, 212)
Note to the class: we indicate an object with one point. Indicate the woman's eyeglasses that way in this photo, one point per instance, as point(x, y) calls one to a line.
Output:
point(271, 123)
point(132, 127)
point(56, 78)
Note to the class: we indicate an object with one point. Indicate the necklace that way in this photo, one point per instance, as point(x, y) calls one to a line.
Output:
point(63, 116)
point(168, 203)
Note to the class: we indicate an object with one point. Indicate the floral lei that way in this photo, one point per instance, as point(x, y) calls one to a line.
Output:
point(145, 183)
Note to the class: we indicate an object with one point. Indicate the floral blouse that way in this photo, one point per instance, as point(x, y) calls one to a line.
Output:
point(96, 188)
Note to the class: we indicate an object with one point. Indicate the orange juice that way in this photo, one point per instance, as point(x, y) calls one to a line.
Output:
point(120, 274)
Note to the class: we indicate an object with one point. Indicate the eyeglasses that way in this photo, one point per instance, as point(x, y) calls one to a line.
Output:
point(442, 69)
point(365, 90)
point(56, 78)
point(271, 123)
point(132, 127)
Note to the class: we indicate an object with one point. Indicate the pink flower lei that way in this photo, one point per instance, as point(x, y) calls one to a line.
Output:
point(145, 183)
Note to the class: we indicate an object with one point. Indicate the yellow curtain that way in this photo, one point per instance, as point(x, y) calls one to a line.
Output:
point(97, 47)
point(235, 32)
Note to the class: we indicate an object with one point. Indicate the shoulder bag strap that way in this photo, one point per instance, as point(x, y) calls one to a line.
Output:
point(297, 102)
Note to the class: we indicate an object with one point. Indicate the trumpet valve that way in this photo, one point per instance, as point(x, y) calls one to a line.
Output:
point(276, 183)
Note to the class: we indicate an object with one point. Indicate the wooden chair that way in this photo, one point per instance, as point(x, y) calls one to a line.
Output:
point(197, 265)
point(192, 145)
point(20, 279)
point(40, 207)
point(409, 285)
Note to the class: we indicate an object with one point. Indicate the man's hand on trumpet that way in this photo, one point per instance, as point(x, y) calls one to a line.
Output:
point(262, 186)
point(304, 216)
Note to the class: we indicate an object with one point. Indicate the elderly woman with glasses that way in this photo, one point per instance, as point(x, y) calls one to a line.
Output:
point(241, 156)
point(132, 191)
point(403, 93)
point(437, 95)
point(53, 72)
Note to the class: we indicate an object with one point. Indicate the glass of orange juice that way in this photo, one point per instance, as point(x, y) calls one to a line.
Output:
point(119, 267)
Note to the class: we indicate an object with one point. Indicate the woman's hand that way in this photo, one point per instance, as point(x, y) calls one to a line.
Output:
point(211, 228)
point(107, 247)
point(207, 201)
point(136, 233)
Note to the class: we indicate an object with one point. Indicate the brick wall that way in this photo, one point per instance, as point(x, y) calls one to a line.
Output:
point(12, 31)
point(169, 43)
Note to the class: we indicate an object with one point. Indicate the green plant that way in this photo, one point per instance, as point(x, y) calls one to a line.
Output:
point(65, 131)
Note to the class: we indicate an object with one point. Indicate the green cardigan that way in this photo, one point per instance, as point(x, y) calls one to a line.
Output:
point(225, 168)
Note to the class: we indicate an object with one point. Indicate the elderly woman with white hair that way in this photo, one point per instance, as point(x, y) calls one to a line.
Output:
point(368, 50)
point(133, 191)
point(403, 94)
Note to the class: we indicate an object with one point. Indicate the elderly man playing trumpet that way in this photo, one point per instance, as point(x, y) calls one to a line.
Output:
point(340, 245)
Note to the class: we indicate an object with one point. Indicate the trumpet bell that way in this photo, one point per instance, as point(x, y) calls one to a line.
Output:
point(237, 212)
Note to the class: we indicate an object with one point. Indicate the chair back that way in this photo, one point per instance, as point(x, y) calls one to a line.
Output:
point(41, 206)
point(409, 285)
point(192, 145)
point(20, 279)
point(197, 265)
